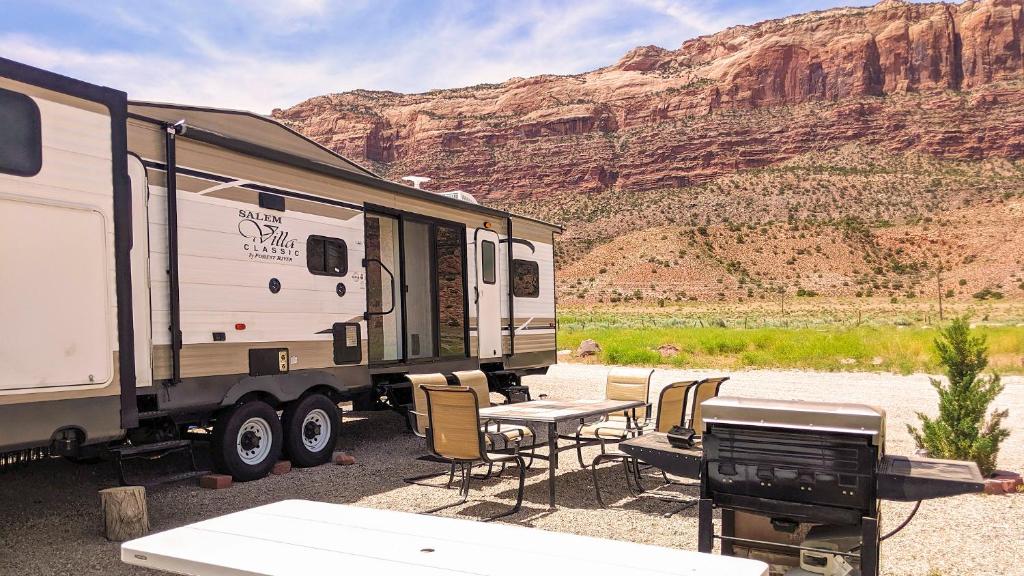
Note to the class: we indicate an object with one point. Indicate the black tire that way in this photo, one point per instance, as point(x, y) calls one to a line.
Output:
point(260, 420)
point(306, 442)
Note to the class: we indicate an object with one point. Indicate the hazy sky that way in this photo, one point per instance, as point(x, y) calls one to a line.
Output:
point(260, 55)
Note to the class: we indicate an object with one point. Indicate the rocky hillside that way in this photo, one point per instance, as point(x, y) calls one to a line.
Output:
point(852, 222)
point(845, 128)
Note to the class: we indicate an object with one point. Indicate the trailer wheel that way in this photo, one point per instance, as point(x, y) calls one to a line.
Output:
point(311, 427)
point(247, 441)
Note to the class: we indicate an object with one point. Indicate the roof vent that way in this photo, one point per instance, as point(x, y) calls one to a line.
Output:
point(417, 181)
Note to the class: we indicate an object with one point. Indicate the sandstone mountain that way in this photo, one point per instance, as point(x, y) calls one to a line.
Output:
point(843, 125)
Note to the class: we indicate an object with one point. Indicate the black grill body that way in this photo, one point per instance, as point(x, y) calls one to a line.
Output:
point(793, 462)
point(824, 476)
point(816, 463)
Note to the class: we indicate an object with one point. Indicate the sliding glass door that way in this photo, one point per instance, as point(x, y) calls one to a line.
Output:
point(416, 288)
point(419, 291)
point(383, 286)
point(450, 255)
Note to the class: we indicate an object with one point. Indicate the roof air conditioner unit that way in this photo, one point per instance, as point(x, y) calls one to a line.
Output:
point(460, 195)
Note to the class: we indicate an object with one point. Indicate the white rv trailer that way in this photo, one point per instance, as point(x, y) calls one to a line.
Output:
point(166, 267)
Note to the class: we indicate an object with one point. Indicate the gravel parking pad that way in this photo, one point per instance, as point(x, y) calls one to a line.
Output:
point(51, 517)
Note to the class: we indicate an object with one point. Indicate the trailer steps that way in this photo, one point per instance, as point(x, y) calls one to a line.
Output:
point(153, 415)
point(155, 451)
point(141, 449)
point(173, 478)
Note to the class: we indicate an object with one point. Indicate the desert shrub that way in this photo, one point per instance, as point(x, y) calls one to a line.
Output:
point(627, 355)
point(963, 430)
point(986, 293)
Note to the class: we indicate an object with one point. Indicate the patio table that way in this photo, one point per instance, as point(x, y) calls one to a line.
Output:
point(551, 412)
point(300, 538)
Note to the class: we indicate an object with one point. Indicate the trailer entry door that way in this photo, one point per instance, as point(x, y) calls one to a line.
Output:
point(488, 300)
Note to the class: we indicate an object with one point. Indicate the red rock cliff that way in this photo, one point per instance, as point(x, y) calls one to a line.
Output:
point(945, 79)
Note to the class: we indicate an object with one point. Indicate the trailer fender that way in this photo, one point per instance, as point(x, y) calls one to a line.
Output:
point(283, 387)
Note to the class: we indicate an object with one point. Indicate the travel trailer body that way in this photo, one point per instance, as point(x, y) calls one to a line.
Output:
point(171, 266)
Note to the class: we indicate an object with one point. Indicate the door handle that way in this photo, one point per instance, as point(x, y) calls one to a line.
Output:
point(392, 282)
point(476, 294)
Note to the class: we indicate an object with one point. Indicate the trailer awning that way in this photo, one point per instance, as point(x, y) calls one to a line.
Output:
point(263, 136)
point(247, 127)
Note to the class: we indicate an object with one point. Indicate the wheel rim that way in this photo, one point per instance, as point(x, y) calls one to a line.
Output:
point(254, 441)
point(316, 430)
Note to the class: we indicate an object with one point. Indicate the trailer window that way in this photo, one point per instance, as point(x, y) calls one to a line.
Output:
point(525, 278)
point(21, 141)
point(487, 261)
point(326, 256)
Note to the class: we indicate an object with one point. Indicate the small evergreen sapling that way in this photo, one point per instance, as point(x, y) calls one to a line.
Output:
point(963, 431)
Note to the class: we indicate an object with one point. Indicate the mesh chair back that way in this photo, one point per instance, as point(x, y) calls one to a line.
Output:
point(454, 430)
point(628, 384)
point(477, 381)
point(672, 405)
point(705, 389)
point(419, 399)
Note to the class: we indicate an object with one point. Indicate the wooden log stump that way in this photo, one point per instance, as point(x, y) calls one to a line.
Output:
point(124, 512)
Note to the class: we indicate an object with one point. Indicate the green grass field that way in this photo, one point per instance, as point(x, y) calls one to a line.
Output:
point(866, 348)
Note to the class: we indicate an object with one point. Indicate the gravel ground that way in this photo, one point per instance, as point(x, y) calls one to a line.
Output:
point(50, 521)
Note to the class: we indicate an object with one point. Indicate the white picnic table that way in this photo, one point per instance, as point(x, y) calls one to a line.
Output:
point(299, 537)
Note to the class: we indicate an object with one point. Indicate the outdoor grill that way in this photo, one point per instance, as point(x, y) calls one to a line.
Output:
point(808, 463)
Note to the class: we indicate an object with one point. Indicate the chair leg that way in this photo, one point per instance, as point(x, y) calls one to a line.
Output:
point(679, 509)
point(417, 480)
point(636, 474)
point(501, 469)
point(593, 472)
point(579, 451)
point(630, 478)
point(463, 492)
point(519, 494)
point(467, 475)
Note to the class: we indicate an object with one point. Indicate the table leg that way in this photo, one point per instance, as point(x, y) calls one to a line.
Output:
point(552, 462)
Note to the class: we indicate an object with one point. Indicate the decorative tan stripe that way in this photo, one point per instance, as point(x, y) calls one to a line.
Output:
point(219, 358)
point(234, 182)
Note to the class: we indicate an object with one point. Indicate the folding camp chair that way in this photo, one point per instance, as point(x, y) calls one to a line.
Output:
point(672, 404)
point(454, 434)
point(500, 435)
point(621, 384)
point(419, 419)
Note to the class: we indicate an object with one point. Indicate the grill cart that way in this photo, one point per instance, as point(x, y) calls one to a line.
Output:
point(816, 473)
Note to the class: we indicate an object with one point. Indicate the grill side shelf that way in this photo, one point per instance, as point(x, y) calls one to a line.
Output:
point(911, 478)
point(653, 448)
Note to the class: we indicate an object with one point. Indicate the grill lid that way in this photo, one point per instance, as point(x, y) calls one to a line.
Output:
point(795, 415)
